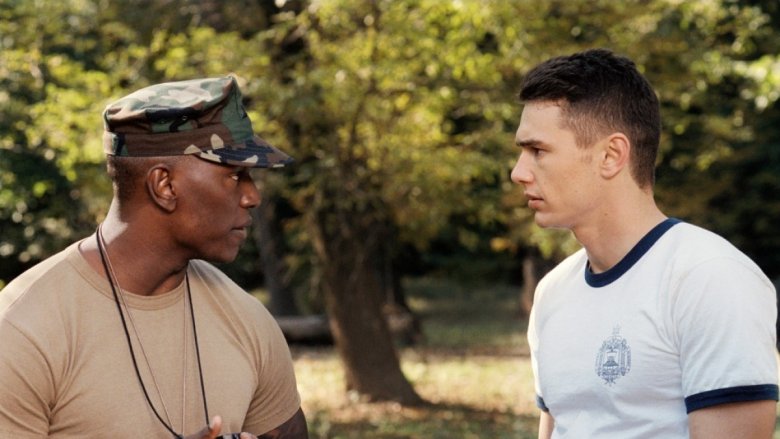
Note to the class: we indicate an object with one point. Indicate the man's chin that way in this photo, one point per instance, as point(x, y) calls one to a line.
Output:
point(547, 222)
point(543, 221)
point(224, 258)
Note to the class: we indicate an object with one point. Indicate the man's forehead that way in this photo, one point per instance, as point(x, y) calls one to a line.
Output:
point(543, 109)
point(543, 122)
point(538, 115)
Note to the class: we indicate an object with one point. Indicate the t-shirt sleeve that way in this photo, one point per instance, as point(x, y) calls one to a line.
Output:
point(276, 398)
point(725, 318)
point(533, 344)
point(25, 384)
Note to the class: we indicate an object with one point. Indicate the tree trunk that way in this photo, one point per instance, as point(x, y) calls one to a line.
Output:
point(268, 236)
point(353, 299)
point(404, 323)
point(534, 268)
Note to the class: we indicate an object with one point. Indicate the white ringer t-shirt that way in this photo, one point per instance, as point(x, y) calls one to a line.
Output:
point(684, 321)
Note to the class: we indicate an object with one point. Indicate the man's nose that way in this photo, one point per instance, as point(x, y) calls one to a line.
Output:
point(521, 173)
point(250, 196)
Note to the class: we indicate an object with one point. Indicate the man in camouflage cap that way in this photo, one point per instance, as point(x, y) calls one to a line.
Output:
point(129, 332)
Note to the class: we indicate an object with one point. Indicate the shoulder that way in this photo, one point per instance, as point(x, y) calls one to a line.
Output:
point(210, 273)
point(225, 292)
point(690, 248)
point(559, 283)
point(35, 309)
point(44, 279)
point(703, 274)
point(566, 270)
point(698, 241)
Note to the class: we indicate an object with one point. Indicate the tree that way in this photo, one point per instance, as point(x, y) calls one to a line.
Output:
point(396, 111)
point(46, 159)
point(400, 115)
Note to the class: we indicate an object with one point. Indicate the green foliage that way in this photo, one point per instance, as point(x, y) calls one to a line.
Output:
point(48, 103)
point(400, 113)
point(718, 167)
point(389, 87)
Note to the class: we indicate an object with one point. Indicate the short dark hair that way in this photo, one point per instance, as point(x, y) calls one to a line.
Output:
point(125, 173)
point(600, 92)
point(128, 173)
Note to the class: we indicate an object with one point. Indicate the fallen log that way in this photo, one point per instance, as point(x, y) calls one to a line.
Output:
point(315, 330)
point(311, 329)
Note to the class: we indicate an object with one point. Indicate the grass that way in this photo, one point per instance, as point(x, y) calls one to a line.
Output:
point(473, 367)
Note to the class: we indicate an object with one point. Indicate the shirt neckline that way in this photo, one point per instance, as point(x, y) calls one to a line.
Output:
point(135, 301)
point(598, 280)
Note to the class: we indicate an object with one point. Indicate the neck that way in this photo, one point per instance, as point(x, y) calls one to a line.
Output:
point(610, 236)
point(143, 264)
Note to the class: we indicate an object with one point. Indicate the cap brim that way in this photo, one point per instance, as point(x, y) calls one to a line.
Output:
point(255, 153)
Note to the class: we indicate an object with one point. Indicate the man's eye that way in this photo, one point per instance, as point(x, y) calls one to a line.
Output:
point(235, 177)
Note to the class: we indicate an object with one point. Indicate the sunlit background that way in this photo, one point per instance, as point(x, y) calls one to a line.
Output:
point(401, 115)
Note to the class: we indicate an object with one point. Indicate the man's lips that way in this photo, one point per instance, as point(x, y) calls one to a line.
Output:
point(242, 229)
point(240, 233)
point(245, 225)
point(533, 200)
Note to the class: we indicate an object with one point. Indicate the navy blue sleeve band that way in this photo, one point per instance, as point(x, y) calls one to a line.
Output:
point(540, 404)
point(732, 394)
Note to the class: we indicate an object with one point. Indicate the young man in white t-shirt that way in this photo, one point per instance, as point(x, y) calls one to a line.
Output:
point(656, 328)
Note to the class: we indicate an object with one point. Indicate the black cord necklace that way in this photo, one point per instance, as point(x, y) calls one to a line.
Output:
point(114, 286)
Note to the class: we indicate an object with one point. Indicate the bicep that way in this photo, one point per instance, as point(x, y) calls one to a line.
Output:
point(752, 419)
point(26, 385)
point(724, 329)
point(276, 395)
point(293, 428)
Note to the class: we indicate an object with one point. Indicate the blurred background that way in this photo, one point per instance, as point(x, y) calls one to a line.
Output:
point(396, 254)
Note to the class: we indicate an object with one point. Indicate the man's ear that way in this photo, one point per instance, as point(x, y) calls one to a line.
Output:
point(159, 185)
point(616, 154)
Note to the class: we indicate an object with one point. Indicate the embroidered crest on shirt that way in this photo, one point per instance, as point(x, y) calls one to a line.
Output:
point(614, 358)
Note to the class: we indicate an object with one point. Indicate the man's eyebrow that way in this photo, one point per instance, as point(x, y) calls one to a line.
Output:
point(528, 143)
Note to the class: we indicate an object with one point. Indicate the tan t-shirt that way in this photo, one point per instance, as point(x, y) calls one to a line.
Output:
point(66, 369)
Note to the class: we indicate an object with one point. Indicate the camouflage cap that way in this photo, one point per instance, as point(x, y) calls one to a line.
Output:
point(204, 117)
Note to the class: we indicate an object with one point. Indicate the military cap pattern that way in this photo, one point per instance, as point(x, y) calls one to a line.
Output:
point(203, 117)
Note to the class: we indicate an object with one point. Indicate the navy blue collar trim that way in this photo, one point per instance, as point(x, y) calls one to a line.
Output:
point(597, 280)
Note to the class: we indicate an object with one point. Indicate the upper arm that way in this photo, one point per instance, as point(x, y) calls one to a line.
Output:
point(546, 425)
point(26, 386)
point(748, 420)
point(293, 428)
point(727, 332)
point(724, 320)
point(276, 398)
